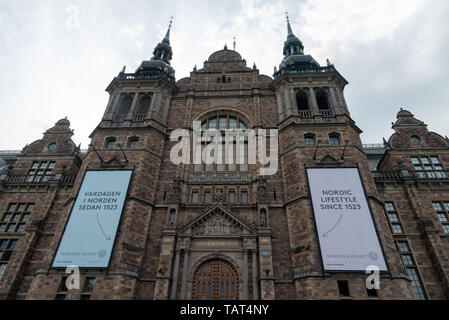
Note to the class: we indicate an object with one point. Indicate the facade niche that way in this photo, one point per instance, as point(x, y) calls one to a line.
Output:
point(143, 108)
point(125, 106)
point(302, 101)
point(322, 100)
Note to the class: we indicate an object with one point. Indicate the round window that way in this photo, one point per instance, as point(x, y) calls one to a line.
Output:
point(52, 146)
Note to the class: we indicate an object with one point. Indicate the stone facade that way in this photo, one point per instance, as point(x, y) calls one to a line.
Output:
point(176, 218)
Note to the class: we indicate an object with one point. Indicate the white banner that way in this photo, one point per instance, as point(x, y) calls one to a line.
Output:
point(90, 232)
point(346, 230)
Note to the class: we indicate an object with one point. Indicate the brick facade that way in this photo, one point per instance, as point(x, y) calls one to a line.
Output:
point(163, 237)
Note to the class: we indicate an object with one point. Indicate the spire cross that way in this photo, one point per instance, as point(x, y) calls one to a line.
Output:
point(234, 43)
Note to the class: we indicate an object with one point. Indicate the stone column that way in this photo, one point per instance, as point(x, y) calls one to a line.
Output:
point(174, 283)
point(287, 102)
point(153, 101)
point(315, 110)
point(245, 274)
point(293, 101)
point(280, 109)
point(159, 101)
point(255, 283)
point(131, 112)
point(108, 107)
point(185, 266)
point(112, 111)
point(166, 107)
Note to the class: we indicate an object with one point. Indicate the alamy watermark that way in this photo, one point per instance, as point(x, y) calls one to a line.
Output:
point(233, 147)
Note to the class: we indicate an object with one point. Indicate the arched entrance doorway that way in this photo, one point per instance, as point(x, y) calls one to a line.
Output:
point(215, 280)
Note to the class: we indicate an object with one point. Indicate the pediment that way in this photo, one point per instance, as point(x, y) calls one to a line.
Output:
point(328, 159)
point(216, 221)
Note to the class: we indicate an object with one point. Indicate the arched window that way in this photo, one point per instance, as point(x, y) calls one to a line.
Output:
point(302, 100)
point(133, 143)
point(415, 139)
point(309, 139)
point(125, 106)
point(143, 107)
point(223, 123)
point(110, 143)
point(322, 101)
point(334, 139)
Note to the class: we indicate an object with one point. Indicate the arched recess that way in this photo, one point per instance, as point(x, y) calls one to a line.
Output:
point(302, 100)
point(215, 279)
point(143, 107)
point(322, 99)
point(125, 106)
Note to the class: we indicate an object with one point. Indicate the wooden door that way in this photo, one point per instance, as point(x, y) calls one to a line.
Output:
point(215, 280)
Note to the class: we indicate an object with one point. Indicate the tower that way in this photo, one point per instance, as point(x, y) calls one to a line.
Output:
point(316, 131)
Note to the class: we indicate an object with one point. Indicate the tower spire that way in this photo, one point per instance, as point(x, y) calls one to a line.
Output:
point(163, 50)
point(167, 35)
point(289, 28)
point(292, 46)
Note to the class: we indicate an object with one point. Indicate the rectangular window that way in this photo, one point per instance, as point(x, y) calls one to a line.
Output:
point(407, 259)
point(442, 211)
point(231, 196)
point(403, 246)
point(207, 197)
point(194, 197)
point(17, 215)
point(40, 175)
point(416, 283)
point(393, 218)
point(446, 228)
point(2, 268)
point(428, 167)
point(244, 197)
point(6, 249)
point(89, 284)
point(397, 229)
point(412, 269)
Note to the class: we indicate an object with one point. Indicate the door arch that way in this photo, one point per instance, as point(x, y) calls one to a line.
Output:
point(215, 279)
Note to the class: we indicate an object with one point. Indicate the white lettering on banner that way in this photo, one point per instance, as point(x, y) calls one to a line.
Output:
point(88, 238)
point(346, 231)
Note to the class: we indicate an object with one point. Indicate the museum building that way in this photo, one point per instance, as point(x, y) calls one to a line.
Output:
point(140, 227)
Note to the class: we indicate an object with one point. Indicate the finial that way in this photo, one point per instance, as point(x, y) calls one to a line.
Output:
point(194, 68)
point(275, 69)
point(286, 15)
point(234, 43)
point(226, 47)
point(254, 66)
point(123, 69)
point(171, 21)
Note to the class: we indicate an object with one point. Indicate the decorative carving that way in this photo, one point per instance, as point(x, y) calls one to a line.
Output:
point(176, 197)
point(263, 218)
point(219, 195)
point(217, 225)
point(222, 178)
point(262, 191)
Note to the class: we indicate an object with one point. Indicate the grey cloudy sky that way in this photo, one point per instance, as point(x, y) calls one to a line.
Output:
point(394, 53)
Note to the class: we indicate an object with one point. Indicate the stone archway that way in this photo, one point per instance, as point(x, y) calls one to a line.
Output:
point(215, 279)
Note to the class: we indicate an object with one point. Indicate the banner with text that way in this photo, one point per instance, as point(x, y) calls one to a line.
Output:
point(346, 231)
point(90, 232)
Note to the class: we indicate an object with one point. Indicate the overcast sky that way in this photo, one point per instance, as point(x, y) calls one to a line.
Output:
point(57, 57)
